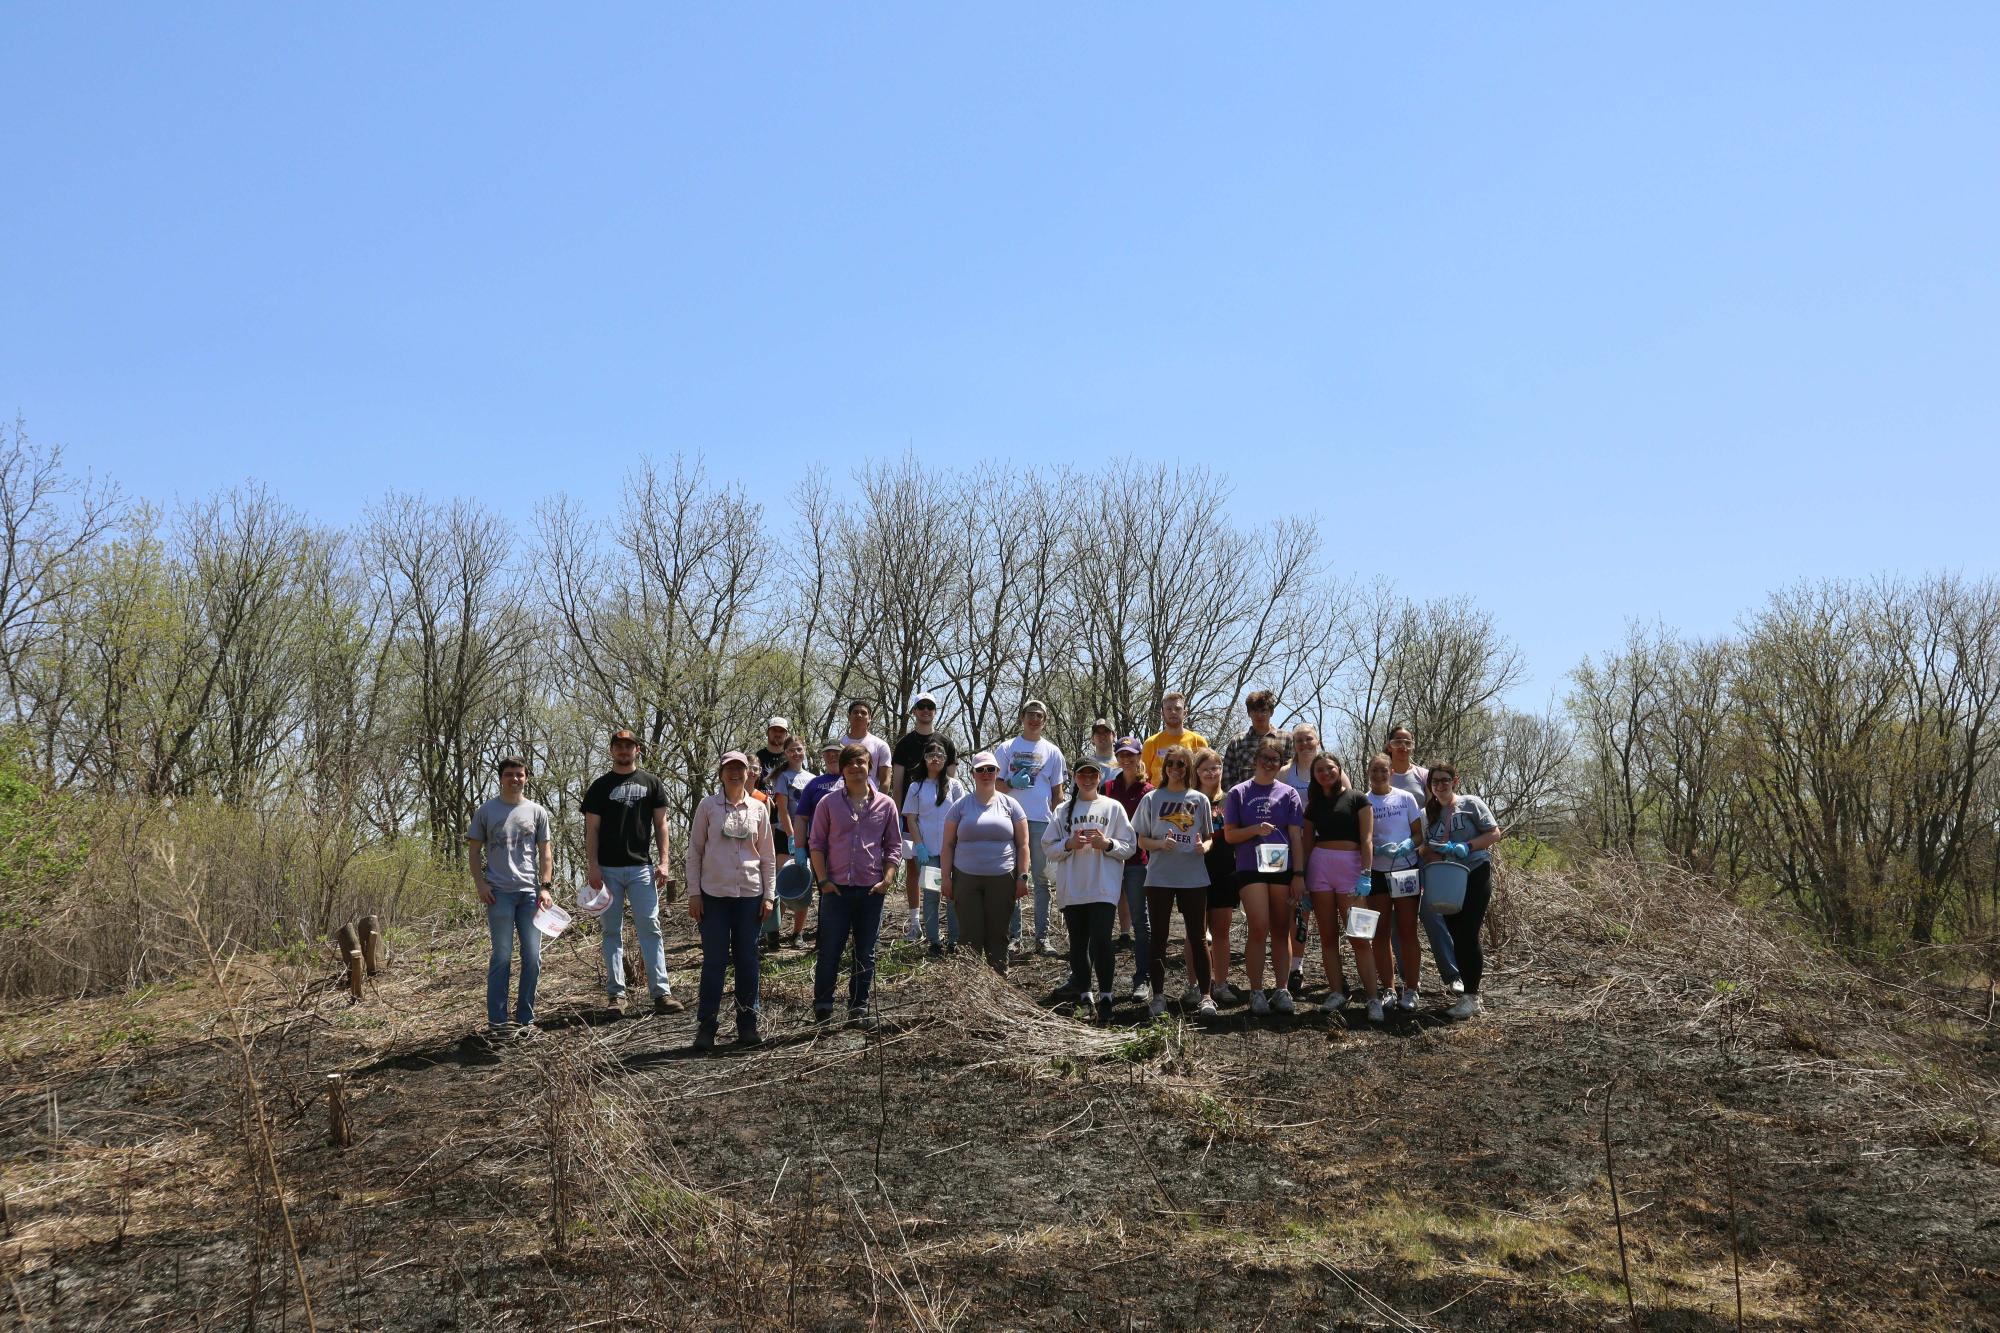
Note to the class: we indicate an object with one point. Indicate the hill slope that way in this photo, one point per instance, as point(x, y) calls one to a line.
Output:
point(982, 1161)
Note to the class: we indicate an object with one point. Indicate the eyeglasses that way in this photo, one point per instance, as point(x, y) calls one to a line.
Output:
point(987, 768)
point(1403, 741)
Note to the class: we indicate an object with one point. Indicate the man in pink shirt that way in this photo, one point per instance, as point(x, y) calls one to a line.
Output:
point(857, 847)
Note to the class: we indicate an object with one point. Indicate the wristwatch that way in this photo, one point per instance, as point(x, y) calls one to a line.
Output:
point(548, 886)
point(825, 883)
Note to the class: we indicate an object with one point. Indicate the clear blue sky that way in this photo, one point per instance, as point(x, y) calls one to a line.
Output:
point(1589, 312)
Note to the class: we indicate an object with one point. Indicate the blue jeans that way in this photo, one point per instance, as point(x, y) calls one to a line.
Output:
point(847, 910)
point(1038, 873)
point(1437, 930)
point(1142, 933)
point(509, 915)
point(633, 885)
point(931, 899)
point(728, 935)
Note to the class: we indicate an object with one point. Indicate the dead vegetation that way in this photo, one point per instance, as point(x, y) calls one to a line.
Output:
point(981, 1160)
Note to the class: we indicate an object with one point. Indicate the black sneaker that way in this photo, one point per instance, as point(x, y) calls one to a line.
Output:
point(746, 1030)
point(1124, 942)
point(822, 1015)
point(704, 1037)
point(936, 951)
point(860, 1018)
point(1104, 1010)
point(1298, 980)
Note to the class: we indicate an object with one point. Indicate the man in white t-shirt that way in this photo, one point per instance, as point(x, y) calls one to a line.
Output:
point(1033, 771)
point(859, 715)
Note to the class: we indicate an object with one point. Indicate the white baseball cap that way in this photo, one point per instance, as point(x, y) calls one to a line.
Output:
point(777, 722)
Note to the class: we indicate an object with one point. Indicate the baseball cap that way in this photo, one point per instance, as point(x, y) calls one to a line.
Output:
point(834, 745)
point(1035, 706)
point(625, 734)
point(984, 759)
point(1091, 762)
point(733, 757)
point(1102, 724)
point(924, 698)
point(780, 723)
point(1129, 745)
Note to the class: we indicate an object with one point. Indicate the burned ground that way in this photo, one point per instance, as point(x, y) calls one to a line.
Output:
point(982, 1160)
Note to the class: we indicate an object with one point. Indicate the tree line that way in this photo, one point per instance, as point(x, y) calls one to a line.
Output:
point(232, 652)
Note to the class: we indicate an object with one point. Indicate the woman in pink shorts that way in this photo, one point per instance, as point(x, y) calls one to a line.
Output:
point(1340, 822)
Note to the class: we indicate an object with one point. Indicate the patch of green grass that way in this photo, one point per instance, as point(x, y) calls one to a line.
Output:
point(130, 1033)
point(1149, 1041)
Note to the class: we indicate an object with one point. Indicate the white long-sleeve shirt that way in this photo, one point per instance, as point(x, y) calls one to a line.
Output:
point(1085, 874)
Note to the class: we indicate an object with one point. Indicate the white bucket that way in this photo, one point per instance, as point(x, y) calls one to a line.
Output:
point(931, 879)
point(1404, 884)
point(552, 920)
point(592, 902)
point(1361, 923)
point(1272, 857)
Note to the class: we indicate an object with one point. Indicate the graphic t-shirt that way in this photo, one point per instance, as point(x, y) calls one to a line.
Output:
point(1182, 816)
point(769, 761)
point(512, 836)
point(1254, 803)
point(1466, 820)
point(1396, 814)
point(1031, 771)
point(909, 751)
point(815, 791)
point(624, 804)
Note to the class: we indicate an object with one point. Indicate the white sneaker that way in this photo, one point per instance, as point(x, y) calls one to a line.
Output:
point(1207, 1009)
point(1281, 1000)
point(1045, 949)
point(1374, 1011)
point(1258, 1004)
point(1334, 1004)
point(1142, 991)
point(1467, 1007)
point(1191, 996)
point(1406, 998)
point(915, 934)
point(1157, 1007)
point(1222, 994)
point(1455, 987)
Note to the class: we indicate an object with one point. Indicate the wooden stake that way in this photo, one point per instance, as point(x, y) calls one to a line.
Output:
point(349, 943)
point(370, 930)
point(337, 1131)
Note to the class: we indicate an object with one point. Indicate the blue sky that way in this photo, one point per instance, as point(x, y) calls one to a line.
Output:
point(1589, 312)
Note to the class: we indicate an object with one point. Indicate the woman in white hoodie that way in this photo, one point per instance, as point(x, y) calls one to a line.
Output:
point(1088, 840)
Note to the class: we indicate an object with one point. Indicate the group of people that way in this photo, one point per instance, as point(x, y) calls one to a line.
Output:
point(1132, 831)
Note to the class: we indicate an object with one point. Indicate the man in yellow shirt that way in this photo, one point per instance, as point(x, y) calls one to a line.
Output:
point(1173, 713)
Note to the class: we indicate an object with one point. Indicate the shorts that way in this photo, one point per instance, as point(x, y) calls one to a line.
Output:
point(1331, 871)
point(1223, 896)
point(1277, 879)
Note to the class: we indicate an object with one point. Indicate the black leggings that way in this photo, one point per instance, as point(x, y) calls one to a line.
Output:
point(1160, 903)
point(1089, 926)
point(1464, 925)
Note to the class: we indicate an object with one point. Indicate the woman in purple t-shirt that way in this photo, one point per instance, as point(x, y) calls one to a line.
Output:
point(1264, 820)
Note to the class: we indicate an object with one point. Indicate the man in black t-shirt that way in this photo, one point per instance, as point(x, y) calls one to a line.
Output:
point(908, 756)
point(771, 756)
point(625, 850)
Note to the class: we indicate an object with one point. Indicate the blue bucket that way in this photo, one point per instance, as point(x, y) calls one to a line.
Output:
point(1444, 887)
point(794, 883)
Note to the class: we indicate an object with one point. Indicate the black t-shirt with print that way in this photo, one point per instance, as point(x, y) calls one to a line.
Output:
point(624, 804)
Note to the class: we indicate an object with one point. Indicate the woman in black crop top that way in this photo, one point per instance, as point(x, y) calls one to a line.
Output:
point(1342, 823)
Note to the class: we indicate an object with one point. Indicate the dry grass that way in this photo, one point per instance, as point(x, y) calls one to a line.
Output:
point(983, 1161)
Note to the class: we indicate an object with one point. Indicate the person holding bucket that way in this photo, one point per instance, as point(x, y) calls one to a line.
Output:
point(732, 867)
point(1341, 824)
point(1405, 774)
point(1264, 820)
point(1223, 898)
point(508, 852)
point(787, 781)
point(1462, 832)
point(1175, 825)
point(929, 793)
point(1393, 888)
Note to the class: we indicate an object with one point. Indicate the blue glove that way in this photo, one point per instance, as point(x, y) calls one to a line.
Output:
point(801, 855)
point(1457, 849)
point(920, 854)
point(1385, 849)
